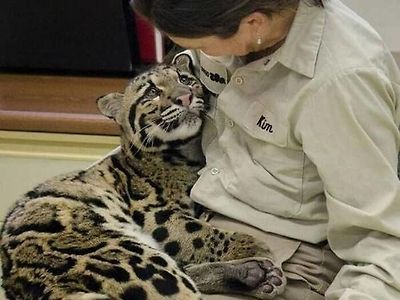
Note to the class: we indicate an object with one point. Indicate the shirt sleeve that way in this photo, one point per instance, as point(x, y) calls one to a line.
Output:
point(349, 130)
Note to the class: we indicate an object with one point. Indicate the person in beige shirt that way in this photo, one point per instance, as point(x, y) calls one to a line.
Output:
point(301, 138)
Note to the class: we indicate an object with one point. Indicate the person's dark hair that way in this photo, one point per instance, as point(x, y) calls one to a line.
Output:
point(199, 18)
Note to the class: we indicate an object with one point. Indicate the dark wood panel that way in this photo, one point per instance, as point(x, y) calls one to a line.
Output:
point(55, 103)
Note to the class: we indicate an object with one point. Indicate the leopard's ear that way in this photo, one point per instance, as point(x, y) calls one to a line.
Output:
point(110, 104)
point(183, 62)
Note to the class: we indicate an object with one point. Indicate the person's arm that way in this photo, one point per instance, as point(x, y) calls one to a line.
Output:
point(349, 129)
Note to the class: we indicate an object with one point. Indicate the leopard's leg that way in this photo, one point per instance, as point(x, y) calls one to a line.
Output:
point(192, 241)
point(254, 276)
point(186, 238)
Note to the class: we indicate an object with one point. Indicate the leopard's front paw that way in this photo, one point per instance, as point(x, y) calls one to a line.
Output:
point(256, 276)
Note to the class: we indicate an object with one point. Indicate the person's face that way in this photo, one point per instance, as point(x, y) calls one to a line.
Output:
point(253, 27)
point(240, 44)
point(236, 45)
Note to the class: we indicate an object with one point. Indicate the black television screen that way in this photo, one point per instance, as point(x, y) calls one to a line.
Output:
point(68, 36)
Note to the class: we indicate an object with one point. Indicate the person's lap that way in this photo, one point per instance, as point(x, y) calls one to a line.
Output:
point(309, 268)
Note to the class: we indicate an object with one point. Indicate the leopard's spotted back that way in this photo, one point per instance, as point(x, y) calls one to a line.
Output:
point(91, 234)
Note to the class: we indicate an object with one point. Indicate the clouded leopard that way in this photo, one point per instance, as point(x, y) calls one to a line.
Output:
point(124, 227)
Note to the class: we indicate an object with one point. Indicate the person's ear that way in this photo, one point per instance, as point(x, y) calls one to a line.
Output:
point(254, 20)
point(253, 27)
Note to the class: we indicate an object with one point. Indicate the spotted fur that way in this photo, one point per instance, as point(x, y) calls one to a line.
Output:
point(122, 228)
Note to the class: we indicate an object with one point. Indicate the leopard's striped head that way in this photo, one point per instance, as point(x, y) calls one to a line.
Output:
point(159, 107)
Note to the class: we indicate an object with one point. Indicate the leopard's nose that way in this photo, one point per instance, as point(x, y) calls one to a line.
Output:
point(184, 100)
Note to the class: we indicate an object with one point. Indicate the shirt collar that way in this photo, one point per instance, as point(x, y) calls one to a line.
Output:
point(300, 50)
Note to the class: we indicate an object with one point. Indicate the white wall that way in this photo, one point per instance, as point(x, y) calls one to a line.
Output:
point(22, 174)
point(27, 159)
point(383, 15)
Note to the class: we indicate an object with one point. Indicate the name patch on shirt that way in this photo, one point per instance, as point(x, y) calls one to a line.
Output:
point(264, 124)
point(212, 74)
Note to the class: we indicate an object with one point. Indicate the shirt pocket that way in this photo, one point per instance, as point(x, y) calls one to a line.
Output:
point(275, 171)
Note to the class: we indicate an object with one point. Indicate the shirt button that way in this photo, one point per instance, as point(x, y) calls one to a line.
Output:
point(214, 171)
point(231, 123)
point(239, 80)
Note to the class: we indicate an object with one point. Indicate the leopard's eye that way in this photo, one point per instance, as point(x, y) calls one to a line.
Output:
point(185, 79)
point(153, 92)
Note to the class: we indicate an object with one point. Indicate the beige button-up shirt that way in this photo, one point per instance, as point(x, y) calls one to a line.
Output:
point(305, 144)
